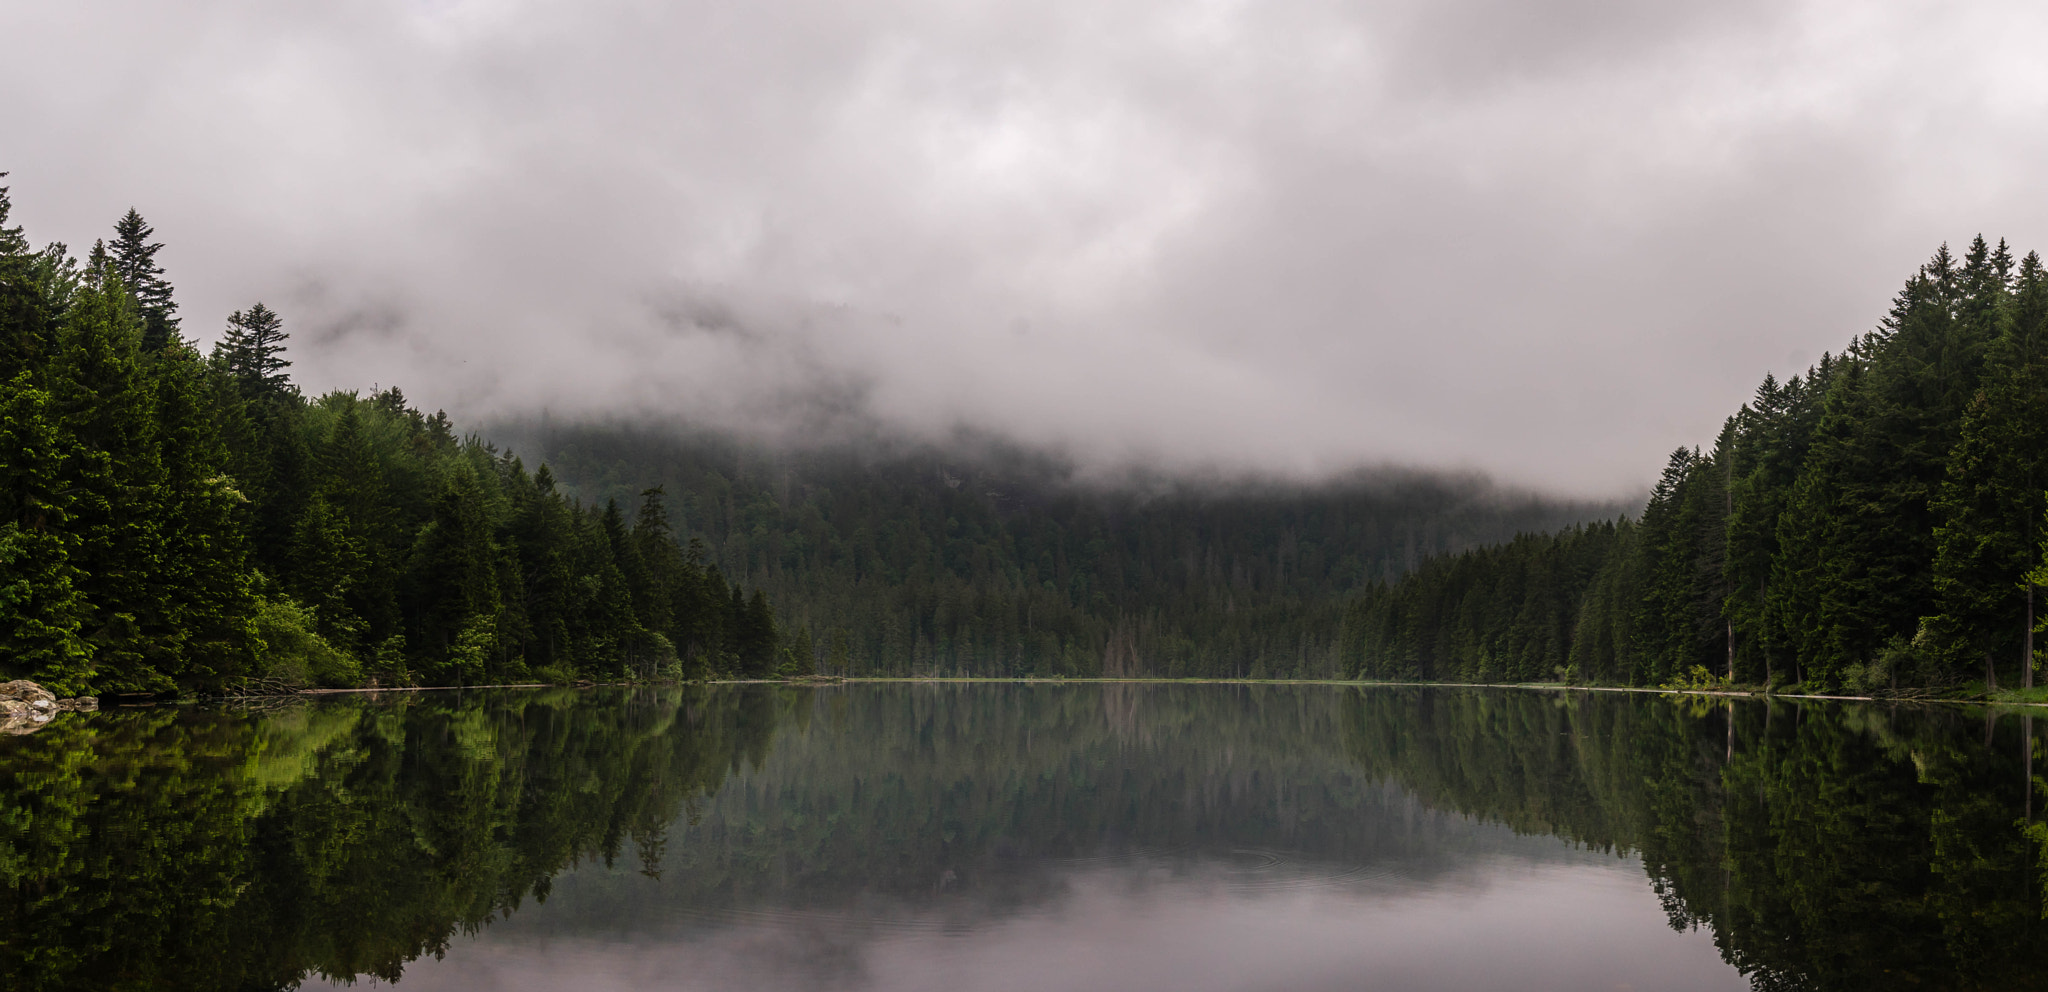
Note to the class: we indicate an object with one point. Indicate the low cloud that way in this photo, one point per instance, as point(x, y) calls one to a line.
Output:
point(1549, 241)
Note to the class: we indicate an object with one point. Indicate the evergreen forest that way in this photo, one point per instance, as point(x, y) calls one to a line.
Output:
point(980, 559)
point(1874, 525)
point(186, 522)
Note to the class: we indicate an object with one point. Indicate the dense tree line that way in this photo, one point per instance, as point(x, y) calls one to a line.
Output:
point(184, 521)
point(906, 560)
point(1875, 524)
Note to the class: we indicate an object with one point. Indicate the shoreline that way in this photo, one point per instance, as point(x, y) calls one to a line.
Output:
point(820, 681)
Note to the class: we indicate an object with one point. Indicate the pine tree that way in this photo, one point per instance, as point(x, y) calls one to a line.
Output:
point(353, 485)
point(27, 323)
point(755, 630)
point(103, 401)
point(454, 572)
point(1991, 505)
point(42, 609)
point(203, 580)
point(327, 566)
point(1668, 614)
point(134, 260)
point(1770, 446)
point(253, 351)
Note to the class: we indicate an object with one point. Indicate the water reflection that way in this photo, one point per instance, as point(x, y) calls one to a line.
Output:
point(1002, 836)
point(1506, 923)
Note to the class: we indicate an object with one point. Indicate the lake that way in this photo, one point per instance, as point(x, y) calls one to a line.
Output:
point(986, 836)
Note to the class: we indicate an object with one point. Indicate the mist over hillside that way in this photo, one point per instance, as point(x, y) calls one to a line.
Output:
point(986, 558)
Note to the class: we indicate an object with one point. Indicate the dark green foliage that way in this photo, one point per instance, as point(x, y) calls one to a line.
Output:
point(1503, 614)
point(1991, 504)
point(1870, 526)
point(252, 351)
point(996, 563)
point(134, 258)
point(170, 523)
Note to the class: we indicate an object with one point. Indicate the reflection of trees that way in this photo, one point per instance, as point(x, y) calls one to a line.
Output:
point(1826, 846)
point(194, 849)
point(901, 792)
point(169, 849)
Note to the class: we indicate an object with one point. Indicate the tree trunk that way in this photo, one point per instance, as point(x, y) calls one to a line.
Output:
point(1763, 629)
point(2027, 650)
point(1990, 674)
point(1727, 515)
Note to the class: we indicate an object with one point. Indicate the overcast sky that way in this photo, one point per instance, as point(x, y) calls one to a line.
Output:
point(1549, 240)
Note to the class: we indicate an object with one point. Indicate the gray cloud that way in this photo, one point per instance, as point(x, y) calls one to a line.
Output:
point(1547, 240)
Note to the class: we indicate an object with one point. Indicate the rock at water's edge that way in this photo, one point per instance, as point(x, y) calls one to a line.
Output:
point(26, 707)
point(25, 691)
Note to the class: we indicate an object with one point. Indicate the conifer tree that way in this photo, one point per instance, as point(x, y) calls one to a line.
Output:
point(134, 260)
point(1991, 505)
point(42, 609)
point(454, 571)
point(169, 524)
point(754, 640)
point(203, 580)
point(1670, 538)
point(253, 351)
point(1773, 431)
point(27, 319)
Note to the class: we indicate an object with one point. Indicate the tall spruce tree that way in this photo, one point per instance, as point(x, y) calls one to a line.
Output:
point(43, 610)
point(1773, 433)
point(1669, 612)
point(1990, 507)
point(134, 258)
point(253, 351)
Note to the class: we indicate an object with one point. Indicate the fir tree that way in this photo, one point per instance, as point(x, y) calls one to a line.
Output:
point(253, 351)
point(43, 611)
point(134, 260)
point(1990, 506)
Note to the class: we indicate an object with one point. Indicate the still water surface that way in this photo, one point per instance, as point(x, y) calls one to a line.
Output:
point(1004, 836)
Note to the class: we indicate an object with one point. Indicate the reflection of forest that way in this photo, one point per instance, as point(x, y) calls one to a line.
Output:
point(209, 849)
point(965, 801)
point(1826, 846)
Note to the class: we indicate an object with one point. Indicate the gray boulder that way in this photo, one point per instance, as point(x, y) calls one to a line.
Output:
point(17, 717)
point(26, 707)
point(26, 691)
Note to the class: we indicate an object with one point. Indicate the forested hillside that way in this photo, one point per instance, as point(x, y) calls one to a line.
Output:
point(1875, 524)
point(914, 560)
point(178, 521)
